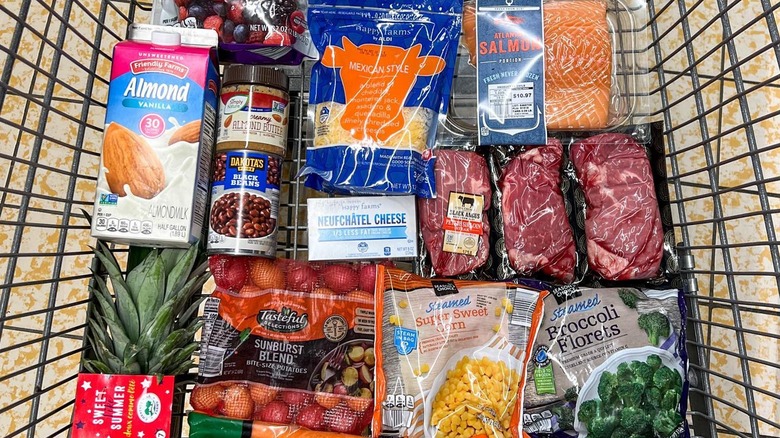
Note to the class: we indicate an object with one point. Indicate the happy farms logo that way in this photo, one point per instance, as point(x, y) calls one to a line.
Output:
point(283, 321)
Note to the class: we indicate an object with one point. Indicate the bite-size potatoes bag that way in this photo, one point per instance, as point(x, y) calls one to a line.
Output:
point(451, 356)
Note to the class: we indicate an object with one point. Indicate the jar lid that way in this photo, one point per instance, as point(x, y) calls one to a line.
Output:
point(254, 74)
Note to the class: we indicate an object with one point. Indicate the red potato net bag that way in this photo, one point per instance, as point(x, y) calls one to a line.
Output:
point(288, 342)
point(623, 225)
point(451, 348)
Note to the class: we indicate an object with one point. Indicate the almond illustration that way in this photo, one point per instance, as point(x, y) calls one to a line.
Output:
point(277, 117)
point(189, 133)
point(129, 160)
point(228, 121)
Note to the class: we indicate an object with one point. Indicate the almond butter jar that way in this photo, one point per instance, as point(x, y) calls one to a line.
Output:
point(254, 110)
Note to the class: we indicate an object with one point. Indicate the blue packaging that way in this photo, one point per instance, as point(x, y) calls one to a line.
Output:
point(510, 72)
point(382, 82)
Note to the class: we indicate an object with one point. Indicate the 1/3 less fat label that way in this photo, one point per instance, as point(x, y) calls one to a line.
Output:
point(463, 224)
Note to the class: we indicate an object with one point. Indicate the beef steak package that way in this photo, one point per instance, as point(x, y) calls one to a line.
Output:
point(288, 342)
point(609, 363)
point(622, 220)
point(451, 356)
point(454, 225)
point(531, 214)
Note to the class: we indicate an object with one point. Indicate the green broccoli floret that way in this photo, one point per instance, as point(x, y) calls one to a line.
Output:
point(621, 433)
point(654, 361)
point(653, 398)
point(624, 373)
point(634, 419)
point(656, 325)
point(629, 297)
point(666, 378)
point(671, 400)
point(643, 373)
point(571, 394)
point(666, 422)
point(607, 387)
point(602, 427)
point(565, 417)
point(630, 393)
point(588, 410)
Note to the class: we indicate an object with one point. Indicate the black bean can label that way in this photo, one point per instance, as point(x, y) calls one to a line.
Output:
point(244, 203)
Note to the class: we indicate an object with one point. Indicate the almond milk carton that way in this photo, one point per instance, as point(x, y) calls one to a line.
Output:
point(152, 188)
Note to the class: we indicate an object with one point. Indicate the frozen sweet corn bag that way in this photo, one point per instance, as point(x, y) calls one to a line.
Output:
point(377, 92)
point(451, 355)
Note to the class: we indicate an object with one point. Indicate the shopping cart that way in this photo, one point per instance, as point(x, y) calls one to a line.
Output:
point(715, 75)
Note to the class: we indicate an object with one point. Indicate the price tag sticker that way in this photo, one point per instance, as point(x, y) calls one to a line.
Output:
point(511, 101)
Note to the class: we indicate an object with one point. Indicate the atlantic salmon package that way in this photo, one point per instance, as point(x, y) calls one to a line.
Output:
point(451, 356)
point(382, 82)
point(289, 342)
point(592, 78)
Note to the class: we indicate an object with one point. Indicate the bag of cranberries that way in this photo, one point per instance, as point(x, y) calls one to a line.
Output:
point(289, 342)
point(250, 31)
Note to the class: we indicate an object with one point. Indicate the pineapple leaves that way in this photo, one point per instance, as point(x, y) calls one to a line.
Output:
point(146, 321)
point(185, 317)
point(106, 356)
point(96, 367)
point(129, 354)
point(138, 275)
point(151, 293)
point(118, 336)
point(185, 367)
point(171, 256)
point(112, 266)
point(180, 272)
point(128, 314)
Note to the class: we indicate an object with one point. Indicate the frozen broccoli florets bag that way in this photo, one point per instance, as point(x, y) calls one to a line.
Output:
point(609, 363)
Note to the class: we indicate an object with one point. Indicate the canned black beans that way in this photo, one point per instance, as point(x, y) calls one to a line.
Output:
point(244, 203)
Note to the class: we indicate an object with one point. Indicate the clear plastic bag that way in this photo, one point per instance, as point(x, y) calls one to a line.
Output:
point(532, 213)
point(609, 363)
point(594, 66)
point(378, 92)
point(250, 31)
point(453, 355)
point(454, 225)
point(622, 221)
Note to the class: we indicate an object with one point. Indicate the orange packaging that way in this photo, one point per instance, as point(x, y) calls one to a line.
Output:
point(453, 355)
point(288, 342)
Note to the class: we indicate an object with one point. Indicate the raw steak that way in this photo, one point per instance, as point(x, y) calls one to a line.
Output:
point(537, 233)
point(461, 172)
point(622, 221)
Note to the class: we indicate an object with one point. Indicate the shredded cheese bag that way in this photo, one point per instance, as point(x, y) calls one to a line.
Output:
point(451, 356)
point(382, 82)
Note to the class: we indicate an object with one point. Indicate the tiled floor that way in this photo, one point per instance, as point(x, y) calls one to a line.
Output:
point(733, 259)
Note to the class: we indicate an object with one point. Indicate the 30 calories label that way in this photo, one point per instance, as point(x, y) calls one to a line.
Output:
point(463, 224)
point(511, 101)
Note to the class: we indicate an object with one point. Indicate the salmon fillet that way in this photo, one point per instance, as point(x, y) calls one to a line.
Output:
point(578, 57)
point(578, 72)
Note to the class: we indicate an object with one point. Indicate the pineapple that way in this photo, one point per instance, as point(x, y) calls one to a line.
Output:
point(147, 327)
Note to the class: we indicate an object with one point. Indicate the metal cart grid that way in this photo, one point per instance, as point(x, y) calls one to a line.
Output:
point(715, 75)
